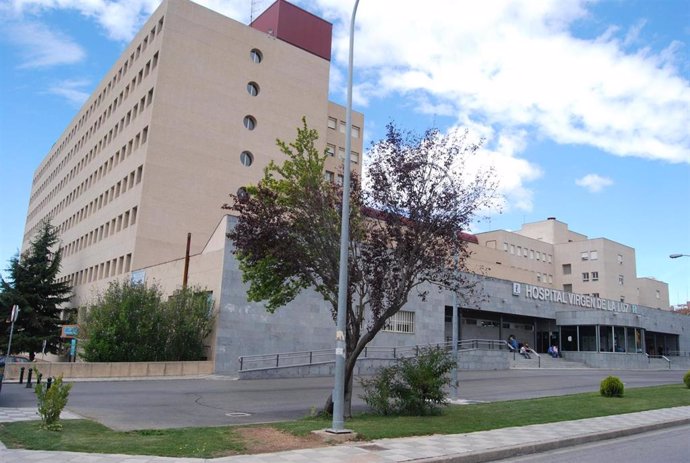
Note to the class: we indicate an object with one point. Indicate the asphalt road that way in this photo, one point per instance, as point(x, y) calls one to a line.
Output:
point(667, 445)
point(218, 400)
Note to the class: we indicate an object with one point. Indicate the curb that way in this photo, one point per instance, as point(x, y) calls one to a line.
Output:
point(482, 456)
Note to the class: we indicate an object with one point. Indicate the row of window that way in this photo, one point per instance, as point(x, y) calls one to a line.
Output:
point(119, 126)
point(249, 121)
point(334, 124)
point(102, 200)
point(330, 150)
point(148, 39)
point(119, 156)
point(121, 222)
point(526, 252)
point(544, 277)
point(107, 269)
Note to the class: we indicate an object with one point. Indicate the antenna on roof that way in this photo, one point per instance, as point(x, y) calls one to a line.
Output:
point(255, 5)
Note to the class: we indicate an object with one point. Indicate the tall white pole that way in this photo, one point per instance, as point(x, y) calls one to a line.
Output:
point(454, 372)
point(340, 346)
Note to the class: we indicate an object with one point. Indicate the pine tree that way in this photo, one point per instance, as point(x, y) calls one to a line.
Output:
point(32, 285)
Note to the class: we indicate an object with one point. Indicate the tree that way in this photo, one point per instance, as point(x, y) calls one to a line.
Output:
point(130, 323)
point(32, 285)
point(403, 229)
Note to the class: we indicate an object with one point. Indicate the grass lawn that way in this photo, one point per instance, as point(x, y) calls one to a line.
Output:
point(87, 436)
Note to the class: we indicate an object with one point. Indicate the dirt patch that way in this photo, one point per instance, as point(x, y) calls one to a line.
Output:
point(267, 440)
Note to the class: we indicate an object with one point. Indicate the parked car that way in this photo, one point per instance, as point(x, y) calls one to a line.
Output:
point(14, 359)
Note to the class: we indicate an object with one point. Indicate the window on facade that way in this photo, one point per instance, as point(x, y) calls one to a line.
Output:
point(531, 254)
point(620, 258)
point(549, 259)
point(332, 123)
point(329, 176)
point(253, 88)
point(585, 276)
point(354, 157)
point(550, 278)
point(595, 294)
point(567, 269)
point(355, 131)
point(512, 249)
point(568, 288)
point(401, 322)
point(342, 127)
point(330, 149)
point(584, 255)
point(505, 247)
point(246, 158)
point(256, 56)
point(249, 122)
point(593, 255)
point(658, 294)
point(519, 250)
point(538, 255)
point(620, 279)
point(538, 277)
point(595, 276)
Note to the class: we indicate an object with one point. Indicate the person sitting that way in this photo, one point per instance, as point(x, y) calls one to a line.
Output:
point(512, 343)
point(524, 351)
point(553, 351)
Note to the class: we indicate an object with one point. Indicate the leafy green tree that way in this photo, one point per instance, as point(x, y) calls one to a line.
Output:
point(131, 323)
point(189, 318)
point(403, 229)
point(32, 284)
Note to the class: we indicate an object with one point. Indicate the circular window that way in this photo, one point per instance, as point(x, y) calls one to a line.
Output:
point(253, 88)
point(246, 158)
point(249, 122)
point(256, 55)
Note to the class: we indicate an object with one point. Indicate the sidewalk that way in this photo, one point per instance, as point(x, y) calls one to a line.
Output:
point(472, 447)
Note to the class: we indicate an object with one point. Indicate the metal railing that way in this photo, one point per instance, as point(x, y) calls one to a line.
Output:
point(312, 357)
point(650, 357)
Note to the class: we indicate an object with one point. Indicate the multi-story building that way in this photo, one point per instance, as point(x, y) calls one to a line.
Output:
point(548, 254)
point(189, 113)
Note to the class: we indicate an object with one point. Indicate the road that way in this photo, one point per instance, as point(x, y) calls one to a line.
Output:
point(218, 400)
point(667, 445)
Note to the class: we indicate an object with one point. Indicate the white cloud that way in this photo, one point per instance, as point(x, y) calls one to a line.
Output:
point(594, 183)
point(516, 65)
point(41, 47)
point(75, 91)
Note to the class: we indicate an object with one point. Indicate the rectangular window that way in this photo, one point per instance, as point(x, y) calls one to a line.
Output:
point(595, 276)
point(330, 149)
point(658, 294)
point(505, 247)
point(620, 259)
point(620, 280)
point(519, 250)
point(355, 131)
point(595, 294)
point(585, 276)
point(538, 255)
point(567, 269)
point(531, 254)
point(332, 123)
point(354, 157)
point(549, 259)
point(568, 288)
point(401, 322)
point(512, 249)
point(550, 278)
point(538, 277)
point(342, 127)
point(329, 176)
point(593, 255)
point(341, 153)
point(584, 255)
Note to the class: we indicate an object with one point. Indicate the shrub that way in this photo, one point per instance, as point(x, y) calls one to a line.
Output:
point(686, 379)
point(130, 322)
point(611, 386)
point(414, 386)
point(51, 402)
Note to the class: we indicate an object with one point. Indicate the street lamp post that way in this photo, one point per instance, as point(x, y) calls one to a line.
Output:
point(676, 256)
point(340, 346)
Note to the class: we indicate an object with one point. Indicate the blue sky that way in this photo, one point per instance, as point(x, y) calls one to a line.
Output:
point(584, 105)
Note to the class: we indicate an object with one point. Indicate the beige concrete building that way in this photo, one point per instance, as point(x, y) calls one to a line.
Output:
point(548, 254)
point(189, 113)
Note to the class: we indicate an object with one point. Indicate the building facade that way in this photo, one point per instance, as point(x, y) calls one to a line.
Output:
point(190, 113)
point(187, 115)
